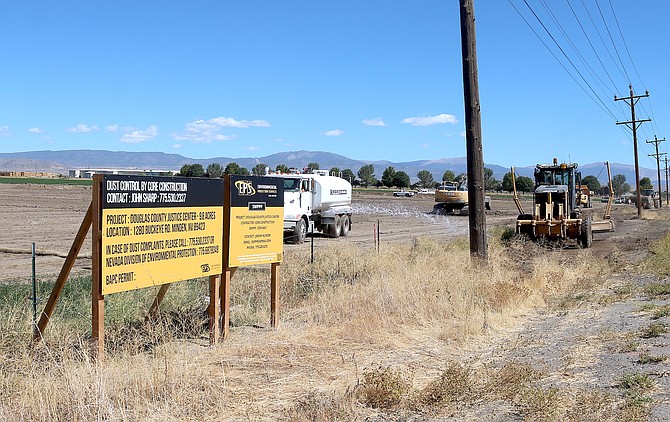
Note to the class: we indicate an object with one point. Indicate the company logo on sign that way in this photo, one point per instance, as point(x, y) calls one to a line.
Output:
point(245, 188)
point(338, 191)
point(205, 268)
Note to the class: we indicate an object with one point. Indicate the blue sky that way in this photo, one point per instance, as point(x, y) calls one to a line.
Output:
point(368, 79)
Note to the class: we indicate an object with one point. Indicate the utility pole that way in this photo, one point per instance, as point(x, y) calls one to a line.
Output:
point(657, 141)
point(667, 194)
point(633, 125)
point(473, 131)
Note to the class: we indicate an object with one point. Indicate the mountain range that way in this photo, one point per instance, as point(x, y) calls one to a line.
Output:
point(61, 161)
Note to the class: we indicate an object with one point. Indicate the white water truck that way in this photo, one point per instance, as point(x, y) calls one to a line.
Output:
point(315, 201)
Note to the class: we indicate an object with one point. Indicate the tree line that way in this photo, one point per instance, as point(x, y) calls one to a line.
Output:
point(391, 178)
point(215, 170)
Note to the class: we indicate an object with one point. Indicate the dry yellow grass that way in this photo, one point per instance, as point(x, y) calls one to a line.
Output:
point(409, 307)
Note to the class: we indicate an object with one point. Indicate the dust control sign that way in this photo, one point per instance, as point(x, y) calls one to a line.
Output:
point(158, 230)
point(256, 220)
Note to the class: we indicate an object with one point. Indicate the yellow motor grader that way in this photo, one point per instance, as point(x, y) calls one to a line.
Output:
point(555, 214)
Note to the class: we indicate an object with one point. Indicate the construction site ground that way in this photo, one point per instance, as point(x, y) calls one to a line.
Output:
point(582, 346)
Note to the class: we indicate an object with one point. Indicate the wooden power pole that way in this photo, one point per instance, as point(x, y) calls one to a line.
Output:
point(473, 131)
point(633, 125)
point(657, 141)
point(667, 193)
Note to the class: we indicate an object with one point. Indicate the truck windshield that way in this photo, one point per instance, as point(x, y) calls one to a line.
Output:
point(291, 185)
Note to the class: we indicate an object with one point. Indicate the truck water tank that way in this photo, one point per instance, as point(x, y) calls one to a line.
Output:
point(330, 191)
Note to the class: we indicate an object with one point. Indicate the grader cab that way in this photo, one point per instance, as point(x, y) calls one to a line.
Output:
point(555, 214)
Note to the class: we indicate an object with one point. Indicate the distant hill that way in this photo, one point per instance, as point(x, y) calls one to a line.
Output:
point(61, 161)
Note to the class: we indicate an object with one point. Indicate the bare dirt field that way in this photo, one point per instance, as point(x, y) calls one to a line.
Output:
point(50, 216)
point(586, 345)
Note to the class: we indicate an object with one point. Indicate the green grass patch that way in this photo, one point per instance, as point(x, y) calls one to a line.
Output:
point(45, 181)
point(636, 405)
point(637, 382)
point(658, 289)
point(661, 312)
point(647, 357)
point(648, 307)
point(659, 258)
point(572, 301)
point(653, 330)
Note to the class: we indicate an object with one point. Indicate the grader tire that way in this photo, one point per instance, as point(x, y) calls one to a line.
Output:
point(586, 235)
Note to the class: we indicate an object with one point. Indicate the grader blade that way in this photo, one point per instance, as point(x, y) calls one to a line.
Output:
point(606, 225)
point(602, 226)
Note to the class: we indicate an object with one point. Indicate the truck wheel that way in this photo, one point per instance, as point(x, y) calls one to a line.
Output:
point(299, 232)
point(586, 235)
point(337, 227)
point(346, 225)
point(334, 230)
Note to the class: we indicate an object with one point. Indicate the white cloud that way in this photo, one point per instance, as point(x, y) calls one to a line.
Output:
point(378, 121)
point(138, 136)
point(430, 120)
point(207, 131)
point(81, 128)
point(5, 131)
point(336, 132)
point(35, 130)
point(462, 134)
point(176, 146)
point(118, 128)
point(201, 132)
point(253, 148)
point(230, 122)
point(425, 146)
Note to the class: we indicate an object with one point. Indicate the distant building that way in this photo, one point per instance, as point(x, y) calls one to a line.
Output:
point(28, 174)
point(88, 173)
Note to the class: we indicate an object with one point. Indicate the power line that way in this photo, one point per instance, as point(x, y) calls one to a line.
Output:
point(597, 99)
point(588, 39)
point(584, 62)
point(558, 60)
point(596, 83)
point(612, 40)
point(609, 53)
point(625, 45)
